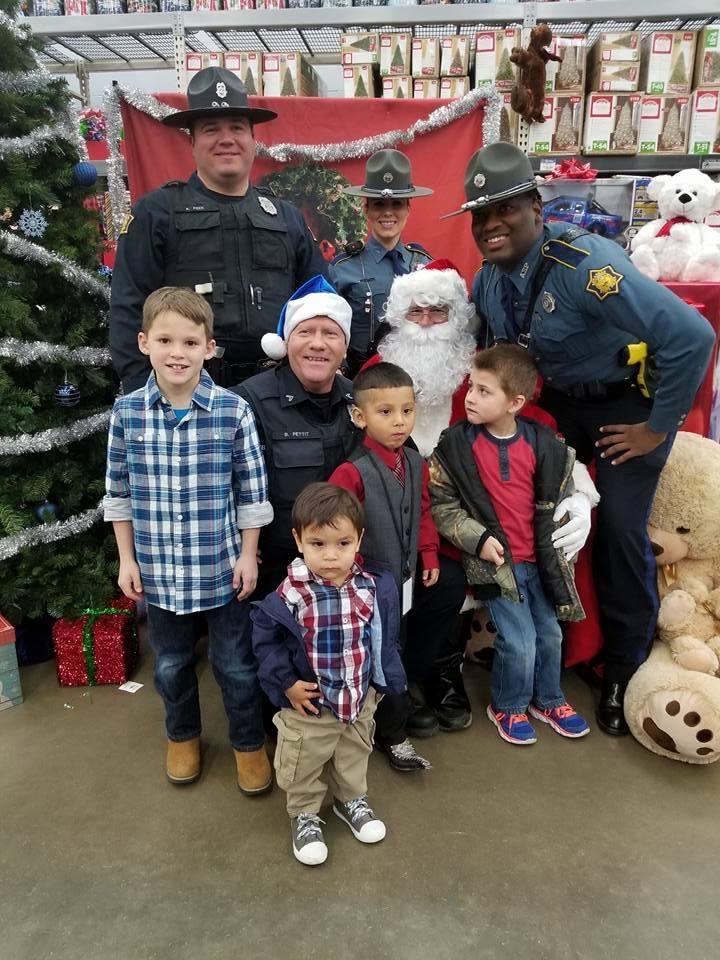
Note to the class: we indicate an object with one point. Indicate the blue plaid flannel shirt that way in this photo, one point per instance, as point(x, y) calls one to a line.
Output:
point(189, 487)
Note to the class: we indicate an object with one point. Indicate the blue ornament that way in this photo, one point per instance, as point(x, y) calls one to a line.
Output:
point(47, 512)
point(84, 174)
point(105, 272)
point(67, 394)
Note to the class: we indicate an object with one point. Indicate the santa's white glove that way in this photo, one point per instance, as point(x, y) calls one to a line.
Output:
point(571, 536)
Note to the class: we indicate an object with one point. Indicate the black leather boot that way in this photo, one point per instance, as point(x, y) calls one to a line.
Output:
point(421, 721)
point(445, 694)
point(610, 716)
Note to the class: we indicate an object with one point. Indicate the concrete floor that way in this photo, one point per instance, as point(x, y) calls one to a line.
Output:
point(588, 849)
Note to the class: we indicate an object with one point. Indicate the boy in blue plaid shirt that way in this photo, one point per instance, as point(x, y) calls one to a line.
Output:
point(186, 492)
point(327, 647)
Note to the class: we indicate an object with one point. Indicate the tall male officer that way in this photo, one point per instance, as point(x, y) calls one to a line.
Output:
point(240, 246)
point(364, 274)
point(576, 302)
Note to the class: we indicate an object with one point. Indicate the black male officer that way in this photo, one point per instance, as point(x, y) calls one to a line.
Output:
point(364, 273)
point(577, 303)
point(241, 247)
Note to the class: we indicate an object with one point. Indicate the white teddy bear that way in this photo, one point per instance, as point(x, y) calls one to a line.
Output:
point(679, 246)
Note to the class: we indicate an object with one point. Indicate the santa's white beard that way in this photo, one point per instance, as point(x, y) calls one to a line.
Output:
point(438, 359)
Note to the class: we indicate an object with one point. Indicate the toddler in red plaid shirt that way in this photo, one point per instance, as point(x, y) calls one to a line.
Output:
point(326, 642)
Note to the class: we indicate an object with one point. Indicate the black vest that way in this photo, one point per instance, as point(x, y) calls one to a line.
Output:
point(392, 512)
point(243, 251)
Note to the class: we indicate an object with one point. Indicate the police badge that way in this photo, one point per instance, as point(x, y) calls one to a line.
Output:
point(267, 205)
point(548, 302)
point(221, 90)
point(479, 180)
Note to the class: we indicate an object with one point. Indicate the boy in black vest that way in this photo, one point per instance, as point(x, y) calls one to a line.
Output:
point(392, 482)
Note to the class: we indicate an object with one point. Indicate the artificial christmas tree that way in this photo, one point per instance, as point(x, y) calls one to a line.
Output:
point(678, 76)
point(624, 132)
point(288, 87)
point(566, 135)
point(360, 88)
point(568, 76)
point(505, 134)
point(56, 555)
point(671, 136)
point(505, 73)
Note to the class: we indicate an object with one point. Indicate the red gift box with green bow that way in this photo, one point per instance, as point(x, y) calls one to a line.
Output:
point(99, 647)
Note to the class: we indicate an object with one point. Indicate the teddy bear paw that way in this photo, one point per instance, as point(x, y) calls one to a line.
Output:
point(682, 723)
point(676, 610)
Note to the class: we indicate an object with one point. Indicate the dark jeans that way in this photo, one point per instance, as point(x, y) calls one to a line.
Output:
point(624, 566)
point(430, 630)
point(173, 638)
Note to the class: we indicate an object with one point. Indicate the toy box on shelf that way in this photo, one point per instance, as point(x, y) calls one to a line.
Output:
point(572, 194)
point(10, 689)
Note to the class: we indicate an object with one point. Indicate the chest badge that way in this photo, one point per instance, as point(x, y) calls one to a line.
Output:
point(548, 302)
point(604, 282)
point(267, 205)
point(524, 271)
point(289, 397)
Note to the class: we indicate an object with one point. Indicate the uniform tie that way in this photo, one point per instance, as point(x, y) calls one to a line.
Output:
point(396, 262)
point(507, 292)
point(399, 468)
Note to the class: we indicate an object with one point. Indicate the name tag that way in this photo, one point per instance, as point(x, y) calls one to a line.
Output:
point(407, 595)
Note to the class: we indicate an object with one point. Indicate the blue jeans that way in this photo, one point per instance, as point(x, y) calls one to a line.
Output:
point(528, 648)
point(173, 638)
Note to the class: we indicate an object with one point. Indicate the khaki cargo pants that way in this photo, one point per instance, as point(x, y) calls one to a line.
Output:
point(314, 754)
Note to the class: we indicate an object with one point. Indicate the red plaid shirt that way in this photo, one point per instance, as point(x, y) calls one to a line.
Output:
point(336, 624)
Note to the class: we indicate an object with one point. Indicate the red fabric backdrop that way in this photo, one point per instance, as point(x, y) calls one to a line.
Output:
point(156, 154)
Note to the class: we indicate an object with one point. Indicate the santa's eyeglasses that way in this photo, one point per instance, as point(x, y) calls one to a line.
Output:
point(436, 314)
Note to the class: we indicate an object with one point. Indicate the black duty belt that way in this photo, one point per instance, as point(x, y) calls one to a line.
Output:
point(594, 391)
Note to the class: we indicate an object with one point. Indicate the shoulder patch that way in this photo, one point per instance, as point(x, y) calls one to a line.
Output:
point(566, 254)
point(353, 248)
point(126, 223)
point(418, 248)
point(604, 282)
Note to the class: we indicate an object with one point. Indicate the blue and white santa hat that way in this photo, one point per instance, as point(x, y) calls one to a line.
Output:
point(315, 298)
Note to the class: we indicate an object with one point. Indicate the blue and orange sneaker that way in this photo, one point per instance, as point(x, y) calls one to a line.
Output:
point(513, 727)
point(563, 720)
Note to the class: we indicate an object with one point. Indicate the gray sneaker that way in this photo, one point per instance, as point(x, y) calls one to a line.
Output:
point(307, 839)
point(358, 815)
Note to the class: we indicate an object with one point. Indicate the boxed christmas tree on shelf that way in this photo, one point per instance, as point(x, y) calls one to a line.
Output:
point(360, 80)
point(705, 122)
point(612, 123)
point(453, 87)
point(288, 75)
point(622, 76)
point(395, 54)
point(667, 62)
point(10, 688)
point(195, 62)
point(562, 130)
point(427, 89)
point(425, 57)
point(247, 66)
point(492, 57)
point(356, 48)
point(454, 56)
point(664, 124)
point(707, 57)
point(398, 88)
point(568, 76)
point(616, 46)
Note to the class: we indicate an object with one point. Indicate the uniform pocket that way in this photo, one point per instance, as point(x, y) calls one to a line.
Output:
point(269, 245)
point(199, 240)
point(287, 751)
point(301, 460)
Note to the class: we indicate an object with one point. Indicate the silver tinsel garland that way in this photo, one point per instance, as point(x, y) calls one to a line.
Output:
point(14, 82)
point(23, 443)
point(40, 351)
point(25, 250)
point(320, 153)
point(49, 532)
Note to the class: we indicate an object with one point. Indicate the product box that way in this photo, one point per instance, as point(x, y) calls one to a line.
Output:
point(612, 123)
point(603, 206)
point(207, 5)
point(492, 57)
point(509, 122)
point(615, 75)
point(395, 54)
point(270, 4)
point(426, 89)
point(359, 80)
point(425, 57)
point(359, 48)
point(10, 688)
point(562, 130)
point(195, 62)
point(644, 209)
point(238, 4)
point(398, 87)
point(617, 46)
point(664, 124)
point(705, 122)
point(79, 8)
point(707, 57)
point(667, 62)
point(454, 56)
point(288, 75)
point(247, 66)
point(568, 76)
point(453, 87)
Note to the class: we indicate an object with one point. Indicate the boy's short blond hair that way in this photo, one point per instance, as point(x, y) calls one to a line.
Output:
point(512, 365)
point(181, 300)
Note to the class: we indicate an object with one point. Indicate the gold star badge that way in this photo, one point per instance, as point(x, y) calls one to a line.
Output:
point(604, 282)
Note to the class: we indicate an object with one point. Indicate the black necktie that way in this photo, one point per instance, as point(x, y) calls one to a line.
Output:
point(396, 261)
point(507, 292)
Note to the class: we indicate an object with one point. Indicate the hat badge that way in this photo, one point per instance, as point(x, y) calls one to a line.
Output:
point(479, 180)
point(221, 90)
point(388, 177)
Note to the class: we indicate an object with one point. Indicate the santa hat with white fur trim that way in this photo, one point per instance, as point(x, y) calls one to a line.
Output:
point(436, 283)
point(315, 298)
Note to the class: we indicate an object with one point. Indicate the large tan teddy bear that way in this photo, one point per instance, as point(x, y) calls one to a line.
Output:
point(672, 704)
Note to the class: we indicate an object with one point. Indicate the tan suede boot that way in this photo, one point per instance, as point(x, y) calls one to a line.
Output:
point(183, 761)
point(254, 774)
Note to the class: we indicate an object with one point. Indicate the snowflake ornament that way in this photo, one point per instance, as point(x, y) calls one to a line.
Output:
point(32, 223)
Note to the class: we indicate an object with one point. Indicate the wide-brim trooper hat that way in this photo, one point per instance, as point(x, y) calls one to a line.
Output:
point(495, 173)
point(214, 92)
point(388, 174)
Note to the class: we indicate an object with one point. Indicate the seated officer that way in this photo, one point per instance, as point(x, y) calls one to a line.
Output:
point(241, 247)
point(364, 273)
point(575, 301)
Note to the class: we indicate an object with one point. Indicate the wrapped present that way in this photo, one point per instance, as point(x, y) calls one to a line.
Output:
point(10, 689)
point(93, 125)
point(99, 647)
